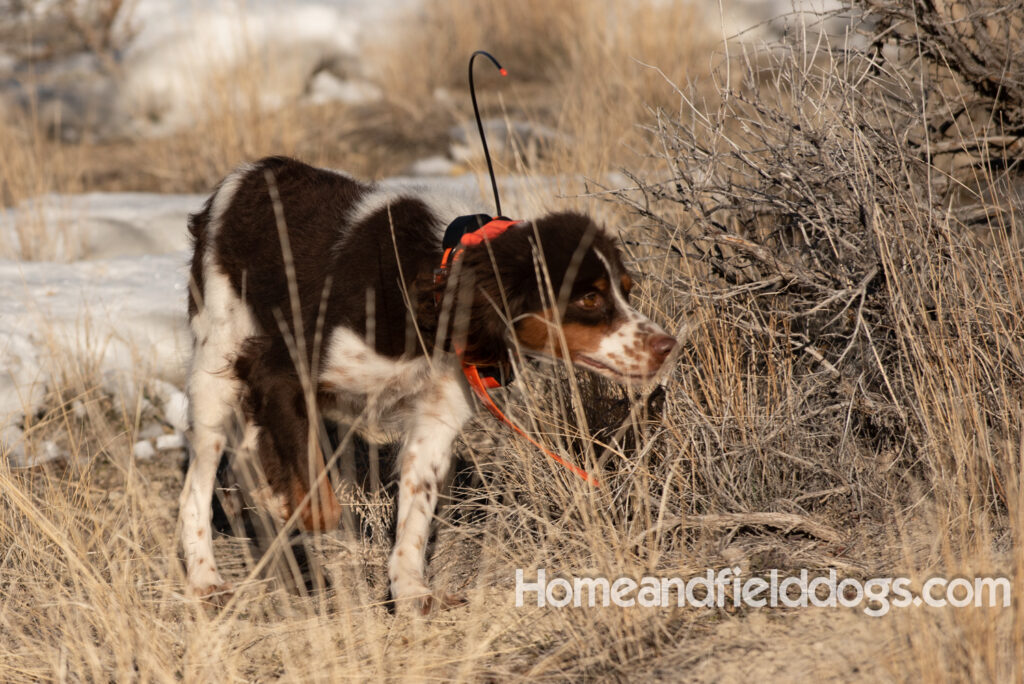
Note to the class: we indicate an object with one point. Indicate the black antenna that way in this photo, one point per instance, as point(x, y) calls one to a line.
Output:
point(480, 125)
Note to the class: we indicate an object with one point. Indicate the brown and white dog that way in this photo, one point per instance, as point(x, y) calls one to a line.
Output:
point(364, 274)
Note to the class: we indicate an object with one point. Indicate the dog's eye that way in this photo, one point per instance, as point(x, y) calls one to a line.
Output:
point(589, 301)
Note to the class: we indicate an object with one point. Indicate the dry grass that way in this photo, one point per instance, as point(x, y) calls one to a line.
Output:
point(579, 67)
point(869, 293)
point(849, 269)
point(27, 171)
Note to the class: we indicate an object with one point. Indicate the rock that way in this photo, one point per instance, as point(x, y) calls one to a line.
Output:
point(143, 450)
point(327, 87)
point(435, 166)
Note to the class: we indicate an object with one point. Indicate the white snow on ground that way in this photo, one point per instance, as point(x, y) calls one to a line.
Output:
point(97, 225)
point(120, 308)
point(121, 317)
point(116, 315)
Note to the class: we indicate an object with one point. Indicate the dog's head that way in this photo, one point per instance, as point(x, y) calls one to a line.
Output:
point(559, 285)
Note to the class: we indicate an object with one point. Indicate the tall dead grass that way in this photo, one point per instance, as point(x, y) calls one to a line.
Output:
point(849, 397)
point(32, 167)
point(868, 294)
point(579, 67)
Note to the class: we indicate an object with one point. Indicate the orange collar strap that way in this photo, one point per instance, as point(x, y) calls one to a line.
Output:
point(456, 238)
point(481, 385)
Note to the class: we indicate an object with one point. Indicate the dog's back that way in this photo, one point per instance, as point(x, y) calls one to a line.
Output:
point(357, 254)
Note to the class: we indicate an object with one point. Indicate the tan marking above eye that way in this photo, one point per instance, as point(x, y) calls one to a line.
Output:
point(537, 333)
point(627, 283)
point(601, 284)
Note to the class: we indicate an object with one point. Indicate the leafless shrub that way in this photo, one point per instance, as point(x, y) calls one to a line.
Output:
point(826, 243)
point(847, 221)
point(967, 70)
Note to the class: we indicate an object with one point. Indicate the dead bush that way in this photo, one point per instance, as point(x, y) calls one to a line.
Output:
point(842, 271)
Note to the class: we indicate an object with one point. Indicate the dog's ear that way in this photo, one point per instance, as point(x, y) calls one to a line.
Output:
point(450, 312)
point(471, 312)
point(493, 313)
point(492, 286)
point(428, 295)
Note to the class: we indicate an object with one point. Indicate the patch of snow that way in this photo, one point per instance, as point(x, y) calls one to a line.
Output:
point(327, 87)
point(126, 316)
point(98, 225)
point(173, 404)
point(125, 386)
point(51, 452)
point(187, 55)
point(22, 380)
point(24, 458)
point(150, 431)
point(78, 410)
point(521, 196)
point(434, 166)
point(771, 19)
point(529, 138)
point(12, 443)
point(183, 60)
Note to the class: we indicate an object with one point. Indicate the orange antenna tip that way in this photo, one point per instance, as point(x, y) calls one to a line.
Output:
point(503, 72)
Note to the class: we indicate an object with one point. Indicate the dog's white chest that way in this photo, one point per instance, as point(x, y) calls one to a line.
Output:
point(373, 392)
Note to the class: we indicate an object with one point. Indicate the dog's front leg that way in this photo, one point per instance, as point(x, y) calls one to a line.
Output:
point(425, 459)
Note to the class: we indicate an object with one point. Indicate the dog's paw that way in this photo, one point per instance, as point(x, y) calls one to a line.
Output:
point(417, 598)
point(431, 603)
point(216, 595)
point(448, 601)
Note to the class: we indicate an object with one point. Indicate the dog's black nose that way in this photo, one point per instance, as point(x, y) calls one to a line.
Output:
point(661, 346)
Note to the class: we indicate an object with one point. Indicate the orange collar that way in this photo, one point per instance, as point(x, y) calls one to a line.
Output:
point(455, 240)
point(480, 387)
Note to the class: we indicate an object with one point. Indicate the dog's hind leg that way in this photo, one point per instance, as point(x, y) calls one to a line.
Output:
point(424, 461)
point(294, 466)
